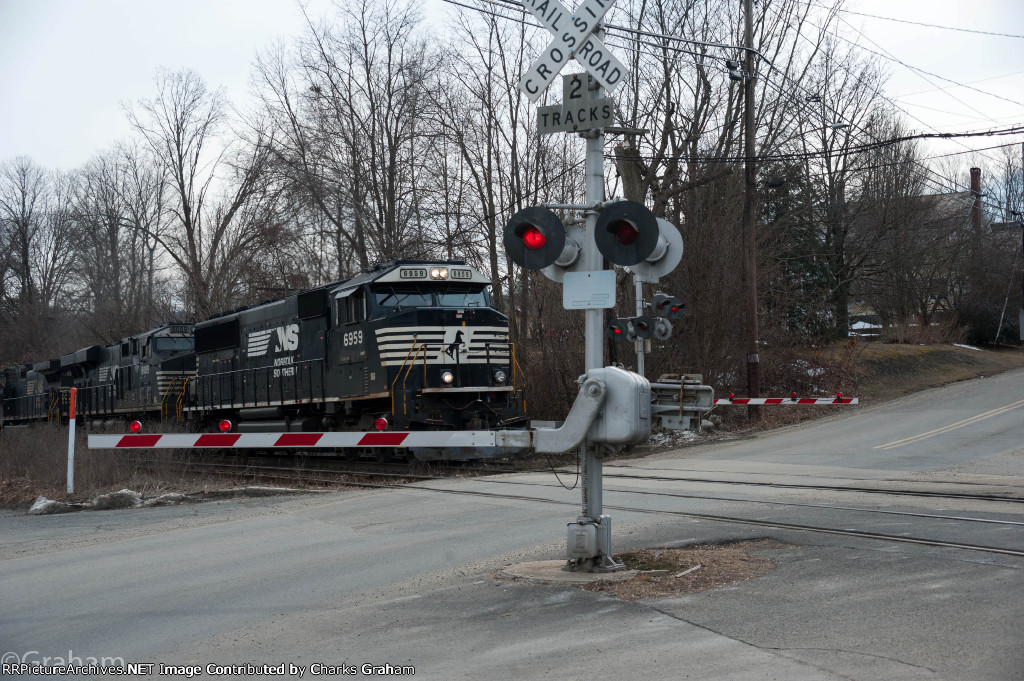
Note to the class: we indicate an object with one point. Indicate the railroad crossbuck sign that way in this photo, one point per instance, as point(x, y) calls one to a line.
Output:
point(572, 39)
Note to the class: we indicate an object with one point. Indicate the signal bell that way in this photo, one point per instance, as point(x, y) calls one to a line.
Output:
point(534, 238)
point(626, 233)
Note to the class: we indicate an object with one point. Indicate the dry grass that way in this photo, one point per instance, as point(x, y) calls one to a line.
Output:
point(720, 565)
point(888, 371)
point(33, 462)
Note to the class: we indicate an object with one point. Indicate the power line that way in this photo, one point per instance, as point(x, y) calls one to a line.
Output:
point(919, 23)
point(888, 55)
point(935, 183)
point(902, 63)
point(809, 155)
point(877, 143)
point(980, 80)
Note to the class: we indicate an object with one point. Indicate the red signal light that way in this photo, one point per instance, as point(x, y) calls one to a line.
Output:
point(617, 330)
point(381, 423)
point(135, 427)
point(626, 233)
point(534, 239)
point(224, 426)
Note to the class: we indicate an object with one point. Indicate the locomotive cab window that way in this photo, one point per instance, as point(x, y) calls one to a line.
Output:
point(173, 344)
point(394, 298)
point(462, 296)
point(349, 307)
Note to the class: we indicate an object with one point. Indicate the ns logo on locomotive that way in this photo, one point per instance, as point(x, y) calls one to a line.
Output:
point(406, 345)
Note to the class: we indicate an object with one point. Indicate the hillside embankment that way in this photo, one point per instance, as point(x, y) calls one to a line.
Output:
point(886, 371)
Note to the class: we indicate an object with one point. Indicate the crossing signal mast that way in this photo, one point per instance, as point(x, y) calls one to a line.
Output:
point(625, 233)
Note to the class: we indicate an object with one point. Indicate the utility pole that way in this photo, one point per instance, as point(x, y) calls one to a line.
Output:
point(749, 217)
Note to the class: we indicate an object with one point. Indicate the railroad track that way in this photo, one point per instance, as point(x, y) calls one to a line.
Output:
point(966, 483)
point(861, 534)
point(379, 479)
point(829, 488)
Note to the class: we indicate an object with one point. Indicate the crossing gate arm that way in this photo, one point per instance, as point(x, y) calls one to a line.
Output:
point(542, 440)
point(785, 401)
point(456, 438)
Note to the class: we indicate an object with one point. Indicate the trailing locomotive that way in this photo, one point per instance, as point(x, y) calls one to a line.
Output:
point(142, 377)
point(406, 345)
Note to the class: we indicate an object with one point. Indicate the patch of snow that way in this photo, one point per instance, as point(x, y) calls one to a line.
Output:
point(969, 347)
point(125, 498)
point(671, 438)
point(164, 500)
point(44, 506)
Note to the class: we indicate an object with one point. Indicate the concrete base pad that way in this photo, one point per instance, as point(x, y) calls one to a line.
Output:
point(550, 572)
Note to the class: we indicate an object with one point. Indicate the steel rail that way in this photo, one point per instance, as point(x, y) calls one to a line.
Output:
point(832, 477)
point(830, 488)
point(244, 468)
point(274, 472)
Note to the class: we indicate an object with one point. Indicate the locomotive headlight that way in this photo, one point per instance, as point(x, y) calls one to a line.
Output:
point(447, 377)
point(499, 376)
point(439, 273)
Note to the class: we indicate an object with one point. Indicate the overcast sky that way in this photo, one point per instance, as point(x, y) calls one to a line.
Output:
point(66, 66)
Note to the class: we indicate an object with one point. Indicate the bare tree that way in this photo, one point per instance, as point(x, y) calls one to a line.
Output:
point(23, 192)
point(348, 108)
point(222, 210)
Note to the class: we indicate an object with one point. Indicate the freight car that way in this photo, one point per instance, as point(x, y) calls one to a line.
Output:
point(406, 345)
point(141, 377)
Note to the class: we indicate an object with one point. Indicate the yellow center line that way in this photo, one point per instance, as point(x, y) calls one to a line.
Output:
point(952, 426)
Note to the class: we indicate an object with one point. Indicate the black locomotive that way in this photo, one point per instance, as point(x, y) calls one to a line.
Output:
point(407, 345)
point(142, 377)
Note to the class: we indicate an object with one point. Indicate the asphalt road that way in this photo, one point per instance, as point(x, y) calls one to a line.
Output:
point(408, 576)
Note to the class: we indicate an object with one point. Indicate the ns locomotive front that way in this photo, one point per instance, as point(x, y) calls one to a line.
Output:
point(406, 345)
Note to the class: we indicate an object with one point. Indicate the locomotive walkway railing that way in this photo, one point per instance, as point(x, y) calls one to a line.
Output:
point(220, 389)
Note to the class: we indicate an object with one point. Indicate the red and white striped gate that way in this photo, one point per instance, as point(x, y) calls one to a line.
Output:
point(454, 438)
point(792, 401)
